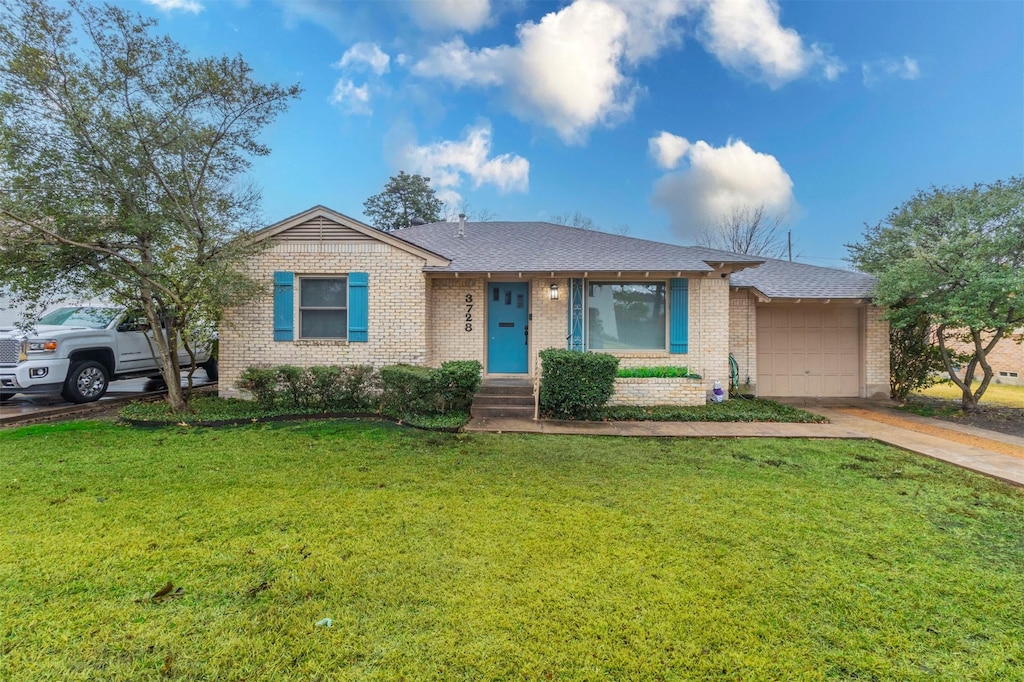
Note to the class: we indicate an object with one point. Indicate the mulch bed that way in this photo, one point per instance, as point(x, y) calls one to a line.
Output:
point(1008, 420)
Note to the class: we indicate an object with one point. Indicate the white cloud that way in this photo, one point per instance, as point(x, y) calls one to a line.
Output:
point(667, 149)
point(365, 54)
point(720, 180)
point(460, 15)
point(352, 99)
point(904, 68)
point(745, 35)
point(192, 6)
point(567, 70)
point(448, 162)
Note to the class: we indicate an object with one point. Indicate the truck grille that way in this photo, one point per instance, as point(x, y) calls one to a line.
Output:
point(9, 351)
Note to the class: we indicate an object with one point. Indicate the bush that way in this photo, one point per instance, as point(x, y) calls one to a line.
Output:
point(406, 389)
point(325, 389)
point(397, 390)
point(913, 359)
point(456, 383)
point(574, 384)
point(261, 382)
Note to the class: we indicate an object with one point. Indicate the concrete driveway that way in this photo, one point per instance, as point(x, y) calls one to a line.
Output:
point(23, 406)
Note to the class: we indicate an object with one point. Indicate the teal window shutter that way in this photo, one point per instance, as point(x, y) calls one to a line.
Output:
point(284, 305)
point(358, 306)
point(679, 312)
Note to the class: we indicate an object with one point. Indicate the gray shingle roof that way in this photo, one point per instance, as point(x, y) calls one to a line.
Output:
point(541, 247)
point(782, 279)
point(546, 247)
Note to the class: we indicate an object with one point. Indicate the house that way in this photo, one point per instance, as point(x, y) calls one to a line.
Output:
point(500, 292)
point(1007, 359)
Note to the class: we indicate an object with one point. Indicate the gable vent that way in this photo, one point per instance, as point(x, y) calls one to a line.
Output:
point(321, 229)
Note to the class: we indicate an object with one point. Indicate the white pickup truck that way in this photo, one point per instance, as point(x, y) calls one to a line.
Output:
point(78, 351)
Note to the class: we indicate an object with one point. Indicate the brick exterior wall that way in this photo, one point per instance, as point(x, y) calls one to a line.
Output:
point(661, 391)
point(743, 338)
point(447, 335)
point(875, 353)
point(397, 320)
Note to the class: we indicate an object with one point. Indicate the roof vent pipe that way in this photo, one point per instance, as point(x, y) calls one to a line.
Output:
point(462, 224)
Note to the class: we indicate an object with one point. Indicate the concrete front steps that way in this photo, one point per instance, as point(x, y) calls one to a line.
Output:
point(503, 398)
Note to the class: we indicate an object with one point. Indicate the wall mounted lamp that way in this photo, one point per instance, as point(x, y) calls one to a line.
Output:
point(554, 292)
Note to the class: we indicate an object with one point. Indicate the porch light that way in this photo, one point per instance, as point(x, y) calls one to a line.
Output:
point(554, 292)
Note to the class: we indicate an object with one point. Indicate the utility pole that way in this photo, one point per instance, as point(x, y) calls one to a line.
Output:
point(789, 244)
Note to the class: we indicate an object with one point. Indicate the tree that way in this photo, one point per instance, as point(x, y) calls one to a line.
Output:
point(584, 222)
point(956, 258)
point(122, 163)
point(752, 230)
point(450, 213)
point(404, 197)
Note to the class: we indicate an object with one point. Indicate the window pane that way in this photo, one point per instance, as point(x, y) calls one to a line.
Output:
point(324, 293)
point(324, 324)
point(628, 316)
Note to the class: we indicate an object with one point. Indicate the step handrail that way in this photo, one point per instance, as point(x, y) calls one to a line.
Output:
point(536, 389)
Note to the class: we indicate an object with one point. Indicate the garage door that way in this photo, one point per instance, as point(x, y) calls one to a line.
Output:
point(808, 351)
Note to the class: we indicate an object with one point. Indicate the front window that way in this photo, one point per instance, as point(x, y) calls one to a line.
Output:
point(626, 316)
point(323, 307)
point(91, 318)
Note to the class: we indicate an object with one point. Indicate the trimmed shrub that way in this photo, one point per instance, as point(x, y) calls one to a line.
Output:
point(396, 390)
point(326, 389)
point(261, 382)
point(575, 384)
point(406, 389)
point(456, 383)
point(358, 387)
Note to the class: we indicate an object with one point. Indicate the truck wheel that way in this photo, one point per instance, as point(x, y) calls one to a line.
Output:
point(211, 369)
point(4, 397)
point(87, 381)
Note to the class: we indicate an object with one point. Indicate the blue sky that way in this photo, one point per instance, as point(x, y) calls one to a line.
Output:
point(658, 115)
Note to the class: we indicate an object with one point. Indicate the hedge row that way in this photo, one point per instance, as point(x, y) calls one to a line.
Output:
point(394, 390)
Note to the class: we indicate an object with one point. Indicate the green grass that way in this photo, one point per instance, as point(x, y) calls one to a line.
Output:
point(1003, 395)
point(735, 410)
point(495, 557)
point(652, 372)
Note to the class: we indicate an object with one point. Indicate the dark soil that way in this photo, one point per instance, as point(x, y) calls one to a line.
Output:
point(1008, 420)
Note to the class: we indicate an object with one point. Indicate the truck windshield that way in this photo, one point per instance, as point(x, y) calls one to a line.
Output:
point(93, 318)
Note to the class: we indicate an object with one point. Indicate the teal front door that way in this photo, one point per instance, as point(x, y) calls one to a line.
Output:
point(508, 333)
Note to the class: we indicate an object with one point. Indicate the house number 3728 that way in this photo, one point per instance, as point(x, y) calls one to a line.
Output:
point(469, 312)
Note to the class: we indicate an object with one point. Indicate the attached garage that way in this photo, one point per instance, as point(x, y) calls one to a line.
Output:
point(809, 350)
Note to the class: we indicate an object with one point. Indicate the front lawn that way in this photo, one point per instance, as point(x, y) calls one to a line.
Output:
point(485, 557)
point(1002, 395)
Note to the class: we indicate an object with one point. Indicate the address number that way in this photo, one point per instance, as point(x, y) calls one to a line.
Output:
point(469, 312)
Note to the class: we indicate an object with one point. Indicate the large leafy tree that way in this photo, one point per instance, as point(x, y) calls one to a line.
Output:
point(954, 257)
point(123, 164)
point(405, 197)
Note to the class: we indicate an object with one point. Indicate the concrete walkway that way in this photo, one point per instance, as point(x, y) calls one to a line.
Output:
point(974, 457)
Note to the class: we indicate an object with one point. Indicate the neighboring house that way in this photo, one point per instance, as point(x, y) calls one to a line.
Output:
point(500, 292)
point(1006, 358)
